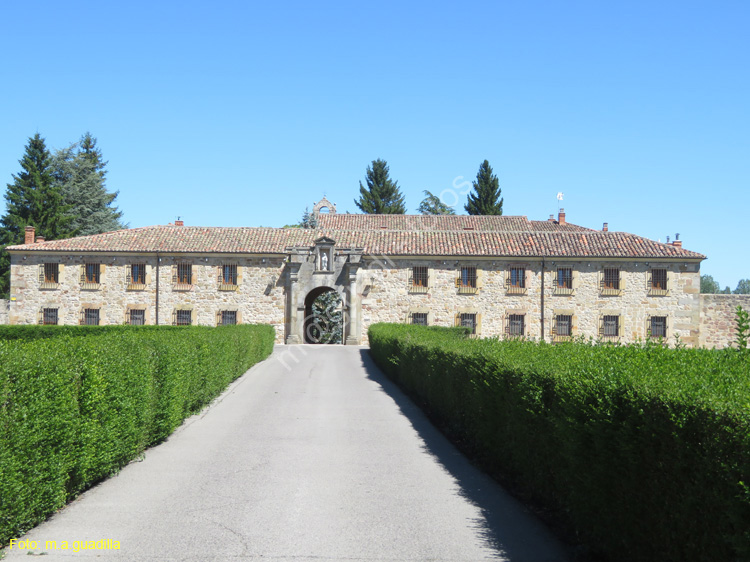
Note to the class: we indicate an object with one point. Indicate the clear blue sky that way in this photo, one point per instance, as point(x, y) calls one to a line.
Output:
point(242, 114)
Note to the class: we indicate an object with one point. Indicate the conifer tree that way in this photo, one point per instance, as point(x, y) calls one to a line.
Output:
point(485, 199)
point(433, 205)
point(382, 195)
point(79, 171)
point(32, 200)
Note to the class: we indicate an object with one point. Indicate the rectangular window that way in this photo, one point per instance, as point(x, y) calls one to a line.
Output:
point(518, 277)
point(515, 326)
point(228, 317)
point(564, 281)
point(610, 327)
point(419, 279)
point(49, 316)
point(658, 327)
point(137, 317)
point(468, 320)
point(137, 274)
point(467, 282)
point(90, 317)
point(91, 274)
point(183, 274)
point(611, 281)
point(229, 274)
point(419, 318)
point(51, 274)
point(658, 284)
point(183, 317)
point(563, 326)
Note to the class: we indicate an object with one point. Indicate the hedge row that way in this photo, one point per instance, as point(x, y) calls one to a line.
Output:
point(35, 332)
point(74, 410)
point(643, 450)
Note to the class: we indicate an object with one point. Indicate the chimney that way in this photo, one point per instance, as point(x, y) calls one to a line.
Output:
point(561, 217)
point(29, 239)
point(179, 223)
point(39, 239)
point(605, 228)
point(677, 243)
point(551, 218)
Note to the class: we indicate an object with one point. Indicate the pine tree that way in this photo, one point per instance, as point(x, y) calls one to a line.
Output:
point(80, 173)
point(485, 200)
point(382, 196)
point(32, 200)
point(433, 205)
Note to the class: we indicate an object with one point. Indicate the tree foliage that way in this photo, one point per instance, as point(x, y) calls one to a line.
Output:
point(709, 285)
point(79, 171)
point(33, 199)
point(327, 319)
point(743, 287)
point(433, 205)
point(485, 198)
point(382, 196)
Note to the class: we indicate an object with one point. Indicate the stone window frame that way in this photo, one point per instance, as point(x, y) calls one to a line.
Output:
point(221, 311)
point(135, 285)
point(657, 291)
point(181, 310)
point(415, 287)
point(470, 283)
point(43, 317)
point(146, 314)
point(565, 291)
point(611, 287)
point(91, 275)
point(235, 276)
point(180, 275)
point(49, 275)
point(88, 312)
point(514, 288)
point(458, 320)
point(420, 310)
point(667, 326)
point(554, 335)
point(620, 326)
point(523, 314)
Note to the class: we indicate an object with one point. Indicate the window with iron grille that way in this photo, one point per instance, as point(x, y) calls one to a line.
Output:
point(658, 283)
point(468, 277)
point(49, 316)
point(228, 317)
point(49, 275)
point(91, 273)
point(610, 280)
point(228, 275)
point(658, 327)
point(137, 274)
point(518, 277)
point(90, 317)
point(514, 326)
point(419, 279)
point(563, 326)
point(137, 317)
point(183, 317)
point(419, 318)
point(183, 274)
point(564, 278)
point(610, 326)
point(468, 320)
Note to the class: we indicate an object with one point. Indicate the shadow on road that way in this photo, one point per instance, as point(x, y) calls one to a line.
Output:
point(505, 525)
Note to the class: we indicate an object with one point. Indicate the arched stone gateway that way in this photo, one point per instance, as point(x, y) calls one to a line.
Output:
point(314, 271)
point(324, 317)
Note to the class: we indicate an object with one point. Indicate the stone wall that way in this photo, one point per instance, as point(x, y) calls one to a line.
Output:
point(4, 311)
point(717, 319)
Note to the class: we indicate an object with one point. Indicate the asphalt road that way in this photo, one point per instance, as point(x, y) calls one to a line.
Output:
point(312, 455)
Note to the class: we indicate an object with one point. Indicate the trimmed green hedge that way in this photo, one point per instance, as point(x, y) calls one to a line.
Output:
point(74, 410)
point(644, 450)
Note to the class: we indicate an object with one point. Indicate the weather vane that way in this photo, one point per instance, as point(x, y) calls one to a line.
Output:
point(559, 198)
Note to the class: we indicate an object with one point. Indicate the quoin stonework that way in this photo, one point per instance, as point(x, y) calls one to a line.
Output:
point(501, 276)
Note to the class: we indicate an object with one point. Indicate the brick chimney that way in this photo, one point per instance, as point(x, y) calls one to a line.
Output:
point(561, 217)
point(605, 228)
point(179, 223)
point(677, 243)
point(39, 239)
point(29, 235)
point(551, 218)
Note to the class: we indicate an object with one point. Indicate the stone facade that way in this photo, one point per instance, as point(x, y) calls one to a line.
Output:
point(717, 319)
point(502, 276)
point(4, 311)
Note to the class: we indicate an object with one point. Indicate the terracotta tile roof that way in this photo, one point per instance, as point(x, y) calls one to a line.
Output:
point(439, 222)
point(537, 239)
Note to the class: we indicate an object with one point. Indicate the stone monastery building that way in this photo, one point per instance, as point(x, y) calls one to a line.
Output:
point(502, 276)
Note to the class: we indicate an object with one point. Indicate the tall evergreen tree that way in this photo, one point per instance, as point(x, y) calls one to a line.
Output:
point(433, 205)
point(382, 195)
point(32, 199)
point(79, 171)
point(485, 199)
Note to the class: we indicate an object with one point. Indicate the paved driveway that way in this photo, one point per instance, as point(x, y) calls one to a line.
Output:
point(312, 455)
